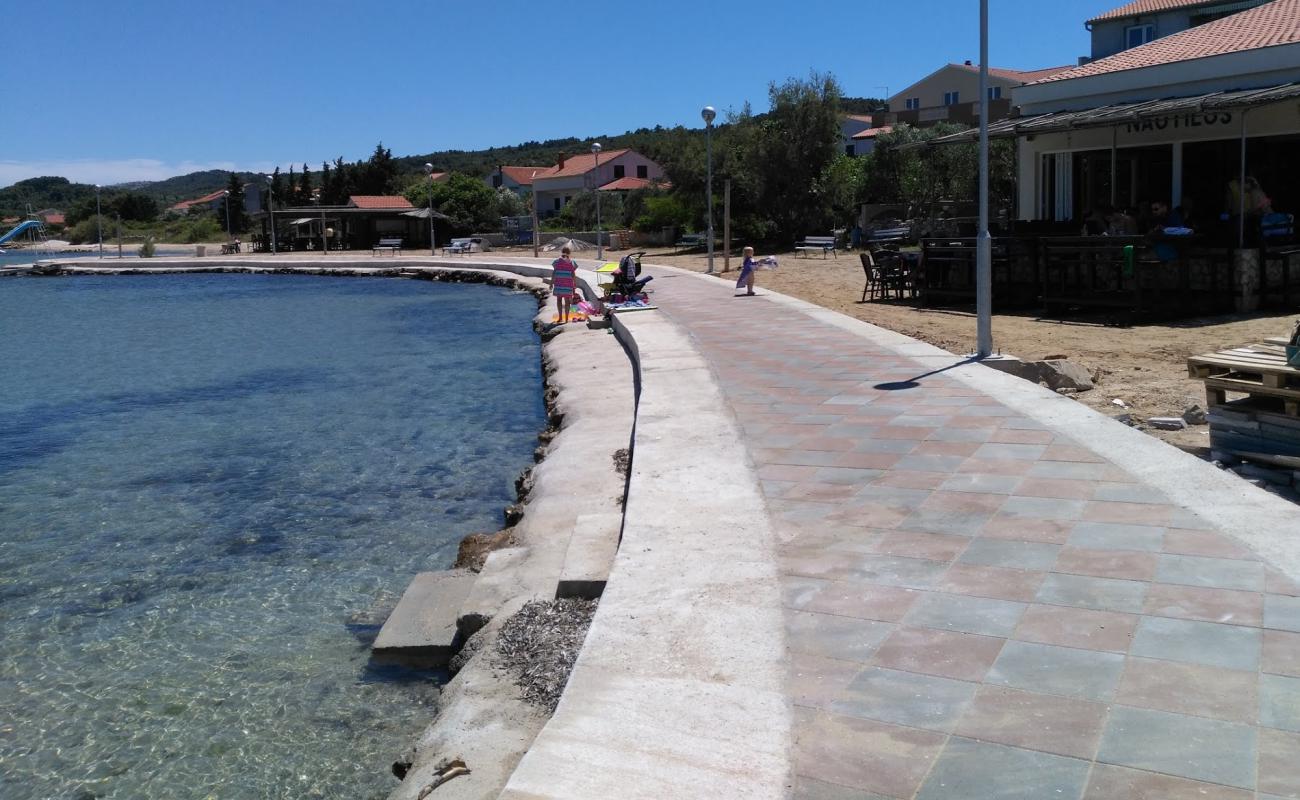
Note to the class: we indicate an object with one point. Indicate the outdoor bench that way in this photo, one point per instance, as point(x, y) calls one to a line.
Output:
point(394, 246)
point(691, 241)
point(813, 244)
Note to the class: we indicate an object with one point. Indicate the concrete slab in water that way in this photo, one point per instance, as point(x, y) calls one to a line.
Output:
point(422, 629)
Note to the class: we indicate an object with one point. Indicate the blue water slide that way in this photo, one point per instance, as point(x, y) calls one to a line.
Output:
point(24, 226)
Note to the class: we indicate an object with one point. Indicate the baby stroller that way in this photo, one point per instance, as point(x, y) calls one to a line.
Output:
point(628, 285)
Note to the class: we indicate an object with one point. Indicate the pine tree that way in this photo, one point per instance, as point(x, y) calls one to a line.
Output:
point(277, 189)
point(305, 194)
point(327, 197)
point(238, 221)
point(293, 198)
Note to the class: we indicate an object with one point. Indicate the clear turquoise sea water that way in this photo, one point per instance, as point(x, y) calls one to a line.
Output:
point(206, 483)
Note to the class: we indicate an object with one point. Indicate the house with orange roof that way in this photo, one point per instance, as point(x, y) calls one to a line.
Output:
point(555, 187)
point(213, 201)
point(517, 179)
point(1141, 21)
point(951, 94)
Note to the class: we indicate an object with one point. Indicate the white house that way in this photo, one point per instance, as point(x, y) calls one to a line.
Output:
point(556, 186)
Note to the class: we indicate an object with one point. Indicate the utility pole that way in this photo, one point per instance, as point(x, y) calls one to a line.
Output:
point(726, 227)
point(984, 245)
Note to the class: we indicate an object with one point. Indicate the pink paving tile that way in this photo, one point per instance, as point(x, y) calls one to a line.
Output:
point(899, 432)
point(1126, 564)
point(1207, 605)
point(948, 654)
point(815, 680)
point(1013, 436)
point(1077, 627)
point(934, 448)
point(1052, 531)
point(863, 754)
point(1281, 654)
point(1277, 583)
point(862, 600)
point(1118, 783)
point(1055, 488)
point(1059, 725)
point(1279, 764)
point(908, 479)
point(867, 460)
point(964, 502)
point(821, 492)
point(1202, 691)
point(787, 472)
point(973, 422)
point(996, 466)
point(826, 443)
point(934, 546)
point(998, 583)
point(1127, 513)
point(1062, 452)
point(1206, 543)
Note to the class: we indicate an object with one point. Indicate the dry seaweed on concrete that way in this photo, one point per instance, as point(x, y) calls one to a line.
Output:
point(622, 461)
point(539, 644)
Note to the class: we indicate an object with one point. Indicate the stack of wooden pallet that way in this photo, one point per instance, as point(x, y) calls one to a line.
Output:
point(1265, 424)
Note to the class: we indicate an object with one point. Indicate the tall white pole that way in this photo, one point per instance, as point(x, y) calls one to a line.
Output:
point(984, 245)
point(270, 209)
point(708, 114)
point(229, 233)
point(433, 242)
point(600, 244)
point(99, 222)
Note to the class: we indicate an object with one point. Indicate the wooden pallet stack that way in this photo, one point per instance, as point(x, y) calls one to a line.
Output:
point(1264, 425)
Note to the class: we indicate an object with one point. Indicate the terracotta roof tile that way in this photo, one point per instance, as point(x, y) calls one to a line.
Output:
point(1139, 7)
point(1024, 76)
point(579, 165)
point(1269, 25)
point(871, 133)
point(626, 183)
point(523, 175)
point(379, 201)
point(207, 198)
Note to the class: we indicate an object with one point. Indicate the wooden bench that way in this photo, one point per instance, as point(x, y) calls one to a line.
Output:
point(394, 246)
point(814, 244)
point(228, 249)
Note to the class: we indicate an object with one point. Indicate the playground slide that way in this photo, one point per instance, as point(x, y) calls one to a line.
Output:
point(23, 226)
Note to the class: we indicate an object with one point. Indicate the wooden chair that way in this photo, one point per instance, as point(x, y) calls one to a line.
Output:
point(875, 284)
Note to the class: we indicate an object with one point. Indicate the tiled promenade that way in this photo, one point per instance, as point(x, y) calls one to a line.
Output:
point(980, 607)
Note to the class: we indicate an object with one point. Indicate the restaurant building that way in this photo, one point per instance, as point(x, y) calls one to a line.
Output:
point(1168, 121)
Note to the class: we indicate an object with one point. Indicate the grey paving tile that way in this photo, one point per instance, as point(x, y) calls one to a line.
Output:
point(944, 520)
point(913, 573)
point(981, 484)
point(1073, 470)
point(1230, 646)
point(979, 435)
point(894, 446)
point(987, 411)
point(1115, 536)
point(1042, 508)
point(893, 496)
point(1176, 744)
point(1023, 424)
point(930, 463)
point(957, 612)
point(915, 421)
point(905, 698)
point(1105, 594)
point(1005, 553)
point(846, 475)
point(1021, 452)
point(1279, 702)
point(1129, 493)
point(1282, 612)
point(970, 770)
point(844, 638)
point(1066, 671)
point(1214, 573)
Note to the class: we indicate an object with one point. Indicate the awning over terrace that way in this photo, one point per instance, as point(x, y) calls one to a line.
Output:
point(1126, 113)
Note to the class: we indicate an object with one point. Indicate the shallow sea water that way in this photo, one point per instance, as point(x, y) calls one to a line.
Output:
point(208, 484)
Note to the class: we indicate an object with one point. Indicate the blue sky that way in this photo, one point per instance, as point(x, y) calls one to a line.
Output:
point(148, 89)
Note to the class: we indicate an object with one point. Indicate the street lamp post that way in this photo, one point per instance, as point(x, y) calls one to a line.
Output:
point(433, 242)
point(270, 209)
point(709, 114)
point(600, 245)
point(229, 232)
point(324, 240)
point(99, 222)
point(984, 245)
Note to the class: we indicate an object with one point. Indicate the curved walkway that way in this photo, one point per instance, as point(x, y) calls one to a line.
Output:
point(979, 605)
